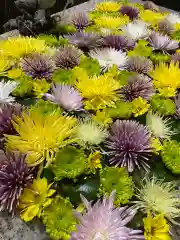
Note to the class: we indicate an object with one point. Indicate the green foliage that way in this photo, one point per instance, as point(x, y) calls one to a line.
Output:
point(59, 219)
point(112, 178)
point(63, 76)
point(50, 40)
point(164, 106)
point(141, 49)
point(70, 162)
point(63, 41)
point(91, 66)
point(122, 110)
point(176, 35)
point(171, 156)
point(159, 57)
point(24, 88)
point(65, 29)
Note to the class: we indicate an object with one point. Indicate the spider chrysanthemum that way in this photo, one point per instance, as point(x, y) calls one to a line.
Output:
point(80, 20)
point(131, 12)
point(139, 64)
point(166, 27)
point(138, 86)
point(159, 197)
point(151, 6)
point(119, 42)
point(66, 96)
point(162, 42)
point(67, 57)
point(85, 40)
point(110, 22)
point(108, 6)
point(176, 58)
point(103, 221)
point(173, 18)
point(159, 126)
point(14, 177)
point(38, 66)
point(107, 57)
point(129, 145)
point(6, 88)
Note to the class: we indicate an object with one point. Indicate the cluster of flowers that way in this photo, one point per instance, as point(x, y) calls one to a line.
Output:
point(94, 114)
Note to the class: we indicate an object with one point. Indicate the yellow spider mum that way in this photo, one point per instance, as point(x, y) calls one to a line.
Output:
point(41, 135)
point(156, 145)
point(139, 106)
point(109, 6)
point(21, 46)
point(166, 78)
point(94, 161)
point(111, 22)
point(152, 17)
point(5, 64)
point(99, 92)
point(35, 198)
point(156, 228)
point(15, 73)
point(102, 118)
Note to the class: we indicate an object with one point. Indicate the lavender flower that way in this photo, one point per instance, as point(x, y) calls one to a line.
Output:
point(129, 145)
point(131, 12)
point(85, 40)
point(139, 64)
point(80, 20)
point(38, 66)
point(162, 42)
point(151, 6)
point(176, 58)
point(14, 177)
point(66, 96)
point(177, 102)
point(166, 27)
point(138, 86)
point(67, 57)
point(119, 42)
point(104, 221)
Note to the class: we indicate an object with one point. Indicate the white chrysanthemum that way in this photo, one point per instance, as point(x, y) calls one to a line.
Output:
point(5, 90)
point(173, 18)
point(136, 30)
point(161, 128)
point(108, 57)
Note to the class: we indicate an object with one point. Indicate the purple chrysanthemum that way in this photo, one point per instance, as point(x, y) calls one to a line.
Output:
point(67, 57)
point(103, 221)
point(85, 40)
point(80, 20)
point(166, 27)
point(14, 177)
point(66, 96)
point(151, 6)
point(129, 145)
point(119, 42)
point(162, 42)
point(131, 12)
point(176, 58)
point(38, 65)
point(177, 102)
point(139, 64)
point(138, 86)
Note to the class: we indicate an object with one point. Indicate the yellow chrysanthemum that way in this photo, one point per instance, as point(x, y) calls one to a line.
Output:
point(152, 17)
point(94, 161)
point(21, 46)
point(41, 135)
point(40, 87)
point(102, 118)
point(15, 73)
point(156, 145)
point(109, 6)
point(166, 78)
point(99, 92)
point(5, 64)
point(111, 22)
point(156, 228)
point(139, 106)
point(35, 198)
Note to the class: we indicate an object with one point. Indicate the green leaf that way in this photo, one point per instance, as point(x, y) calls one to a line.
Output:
point(141, 49)
point(64, 76)
point(91, 66)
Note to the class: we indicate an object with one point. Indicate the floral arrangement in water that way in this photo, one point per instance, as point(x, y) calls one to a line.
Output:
point(89, 128)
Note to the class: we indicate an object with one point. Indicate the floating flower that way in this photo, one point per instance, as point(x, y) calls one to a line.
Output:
point(110, 22)
point(14, 177)
point(38, 66)
point(89, 133)
point(138, 86)
point(151, 6)
point(176, 58)
point(139, 64)
point(85, 40)
point(41, 135)
point(166, 78)
point(80, 20)
point(94, 161)
point(136, 30)
point(6, 88)
point(108, 6)
point(131, 12)
point(35, 198)
point(159, 126)
point(5, 64)
point(173, 18)
point(162, 105)
point(99, 92)
point(159, 197)
point(156, 227)
point(66, 96)
point(139, 106)
point(166, 27)
point(129, 145)
point(108, 57)
point(102, 219)
point(119, 42)
point(152, 17)
point(177, 102)
point(67, 57)
point(162, 42)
